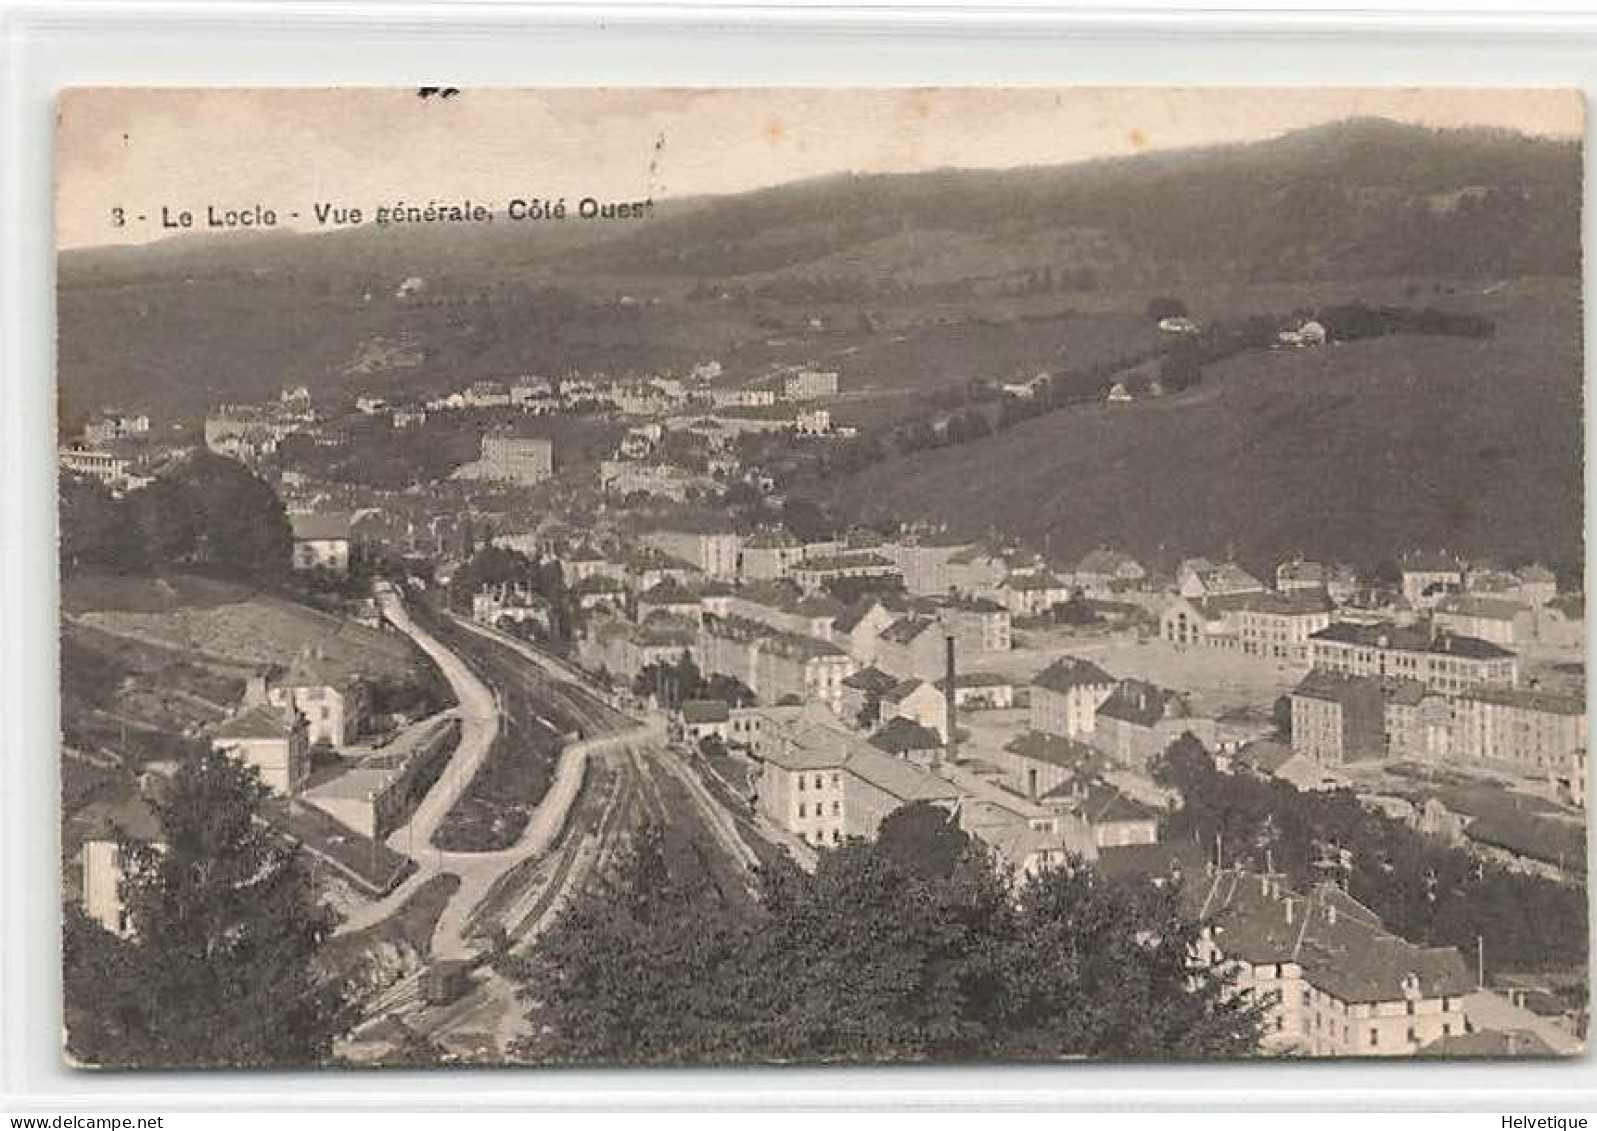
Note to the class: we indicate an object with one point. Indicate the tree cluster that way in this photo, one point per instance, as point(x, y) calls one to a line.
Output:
point(206, 511)
point(1422, 889)
point(909, 948)
point(219, 970)
point(673, 684)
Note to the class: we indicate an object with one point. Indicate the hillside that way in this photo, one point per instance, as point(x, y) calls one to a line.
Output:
point(188, 322)
point(1347, 200)
point(1351, 451)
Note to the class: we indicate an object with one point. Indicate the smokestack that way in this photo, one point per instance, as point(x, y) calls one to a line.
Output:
point(949, 741)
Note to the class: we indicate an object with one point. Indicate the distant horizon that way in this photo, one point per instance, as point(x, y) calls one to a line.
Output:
point(899, 138)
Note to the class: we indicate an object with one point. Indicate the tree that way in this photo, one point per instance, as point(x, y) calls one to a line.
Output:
point(923, 840)
point(167, 521)
point(241, 521)
point(220, 970)
point(94, 527)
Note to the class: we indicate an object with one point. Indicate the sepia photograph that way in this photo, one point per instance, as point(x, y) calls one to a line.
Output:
point(630, 577)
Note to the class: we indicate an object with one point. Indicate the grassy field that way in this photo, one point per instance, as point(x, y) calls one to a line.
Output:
point(1351, 451)
point(218, 622)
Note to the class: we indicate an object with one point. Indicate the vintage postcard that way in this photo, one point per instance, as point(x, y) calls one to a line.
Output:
point(653, 577)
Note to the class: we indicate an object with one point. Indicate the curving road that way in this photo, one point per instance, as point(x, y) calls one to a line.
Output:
point(480, 721)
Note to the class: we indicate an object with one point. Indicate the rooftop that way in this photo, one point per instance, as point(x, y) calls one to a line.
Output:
point(1071, 672)
point(319, 527)
point(1404, 638)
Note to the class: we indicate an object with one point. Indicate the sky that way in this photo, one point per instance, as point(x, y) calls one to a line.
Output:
point(142, 150)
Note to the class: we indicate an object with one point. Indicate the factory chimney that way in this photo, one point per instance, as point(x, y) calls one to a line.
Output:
point(949, 742)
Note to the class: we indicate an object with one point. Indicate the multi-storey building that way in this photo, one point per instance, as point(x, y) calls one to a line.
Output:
point(777, 666)
point(714, 552)
point(1440, 660)
point(1066, 695)
point(1335, 982)
point(808, 384)
point(1339, 718)
point(1533, 732)
point(1137, 722)
point(1272, 626)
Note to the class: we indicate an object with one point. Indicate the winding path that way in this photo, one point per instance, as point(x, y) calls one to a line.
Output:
point(480, 720)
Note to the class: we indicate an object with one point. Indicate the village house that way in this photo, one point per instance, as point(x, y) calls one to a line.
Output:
point(862, 695)
point(1497, 620)
point(1339, 582)
point(919, 702)
point(769, 554)
point(582, 561)
point(1429, 576)
point(1113, 820)
point(1138, 721)
point(977, 624)
point(510, 603)
point(859, 627)
point(925, 560)
point(975, 570)
point(321, 541)
point(913, 646)
point(1032, 594)
point(112, 468)
point(1199, 578)
point(705, 718)
point(599, 591)
point(1441, 660)
point(980, 691)
point(334, 706)
point(905, 738)
point(106, 825)
point(1037, 764)
point(271, 739)
point(1066, 695)
point(672, 598)
point(1337, 983)
point(1106, 573)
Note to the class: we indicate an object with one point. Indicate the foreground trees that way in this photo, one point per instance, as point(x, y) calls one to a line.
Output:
point(219, 968)
point(885, 954)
